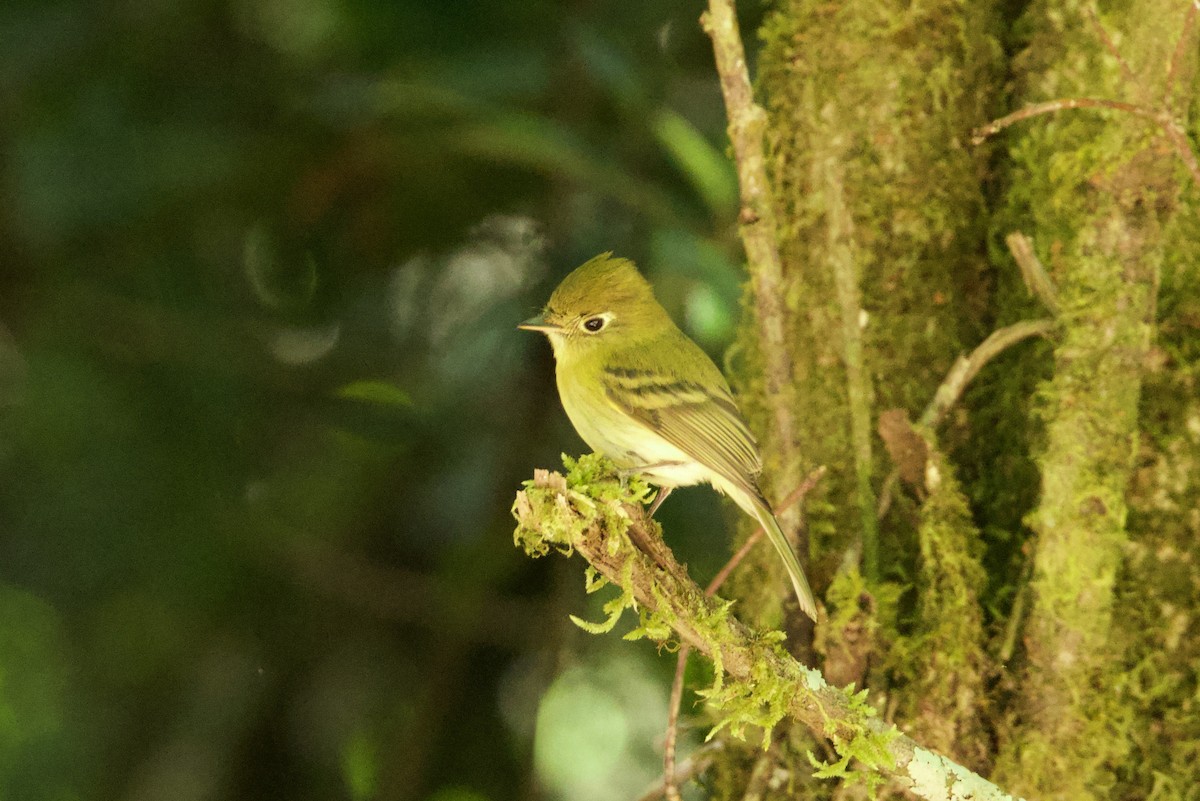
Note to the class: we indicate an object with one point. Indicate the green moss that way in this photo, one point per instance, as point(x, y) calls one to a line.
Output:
point(613, 608)
point(943, 662)
point(861, 754)
point(1156, 617)
point(1095, 191)
point(554, 512)
point(847, 587)
point(757, 703)
point(593, 493)
point(871, 106)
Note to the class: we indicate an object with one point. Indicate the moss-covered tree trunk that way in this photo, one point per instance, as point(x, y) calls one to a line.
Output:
point(871, 105)
point(882, 213)
point(884, 229)
point(1100, 190)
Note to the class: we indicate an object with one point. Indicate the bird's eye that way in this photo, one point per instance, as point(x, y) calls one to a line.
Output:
point(594, 324)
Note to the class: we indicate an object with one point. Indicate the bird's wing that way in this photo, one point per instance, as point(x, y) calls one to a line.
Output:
point(702, 421)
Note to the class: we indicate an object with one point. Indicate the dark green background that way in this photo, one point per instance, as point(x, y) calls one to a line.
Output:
point(264, 409)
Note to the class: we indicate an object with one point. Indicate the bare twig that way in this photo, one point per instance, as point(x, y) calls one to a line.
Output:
point(1037, 280)
point(791, 500)
point(1009, 645)
point(1050, 106)
point(1164, 118)
point(1109, 44)
point(964, 369)
point(759, 233)
point(1170, 126)
point(740, 653)
point(694, 765)
point(1183, 147)
point(967, 367)
point(801, 492)
point(1181, 47)
point(734, 561)
point(760, 774)
point(670, 775)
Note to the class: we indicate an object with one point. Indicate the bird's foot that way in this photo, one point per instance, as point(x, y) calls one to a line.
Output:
point(663, 492)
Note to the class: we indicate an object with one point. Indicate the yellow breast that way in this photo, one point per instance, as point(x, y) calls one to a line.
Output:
point(629, 444)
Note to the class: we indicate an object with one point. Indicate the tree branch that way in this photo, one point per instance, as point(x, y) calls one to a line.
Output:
point(757, 681)
point(670, 781)
point(670, 788)
point(952, 386)
point(1181, 46)
point(967, 367)
point(1108, 231)
point(1109, 45)
point(759, 232)
point(1170, 126)
point(1032, 270)
point(1050, 106)
point(700, 761)
point(760, 774)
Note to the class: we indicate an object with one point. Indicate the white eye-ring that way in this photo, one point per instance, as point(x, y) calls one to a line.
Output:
point(596, 323)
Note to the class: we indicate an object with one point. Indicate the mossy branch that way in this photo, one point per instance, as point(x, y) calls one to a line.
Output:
point(594, 513)
point(670, 775)
point(1108, 217)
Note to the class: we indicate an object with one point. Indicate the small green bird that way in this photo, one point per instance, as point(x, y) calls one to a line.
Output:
point(644, 395)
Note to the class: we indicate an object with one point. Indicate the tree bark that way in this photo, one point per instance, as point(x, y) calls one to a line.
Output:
point(881, 217)
point(1100, 190)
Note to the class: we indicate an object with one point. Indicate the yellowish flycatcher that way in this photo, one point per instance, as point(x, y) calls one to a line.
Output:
point(644, 395)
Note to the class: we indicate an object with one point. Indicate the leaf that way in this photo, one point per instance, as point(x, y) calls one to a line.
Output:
point(706, 168)
point(375, 391)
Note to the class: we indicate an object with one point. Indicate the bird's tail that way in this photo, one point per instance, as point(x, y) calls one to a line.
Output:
point(804, 593)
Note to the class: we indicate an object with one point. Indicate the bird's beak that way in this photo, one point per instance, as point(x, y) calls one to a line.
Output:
point(539, 324)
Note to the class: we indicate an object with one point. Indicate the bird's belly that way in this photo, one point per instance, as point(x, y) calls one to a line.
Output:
point(677, 473)
point(628, 443)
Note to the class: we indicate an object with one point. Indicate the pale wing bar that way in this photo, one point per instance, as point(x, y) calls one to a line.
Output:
point(703, 423)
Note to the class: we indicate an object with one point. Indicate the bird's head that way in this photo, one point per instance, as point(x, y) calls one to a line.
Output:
point(604, 303)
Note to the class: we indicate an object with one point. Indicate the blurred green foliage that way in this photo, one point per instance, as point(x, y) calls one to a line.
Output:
point(262, 405)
